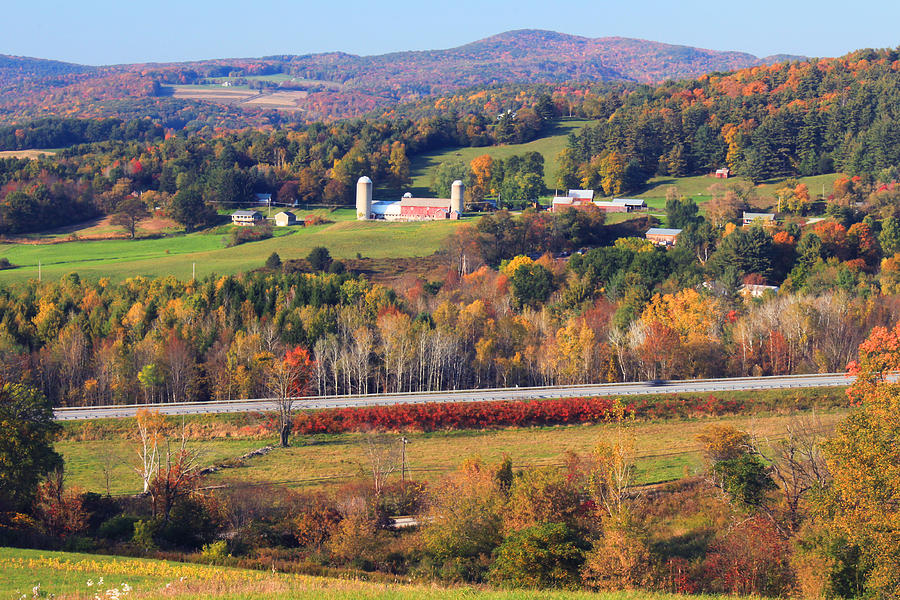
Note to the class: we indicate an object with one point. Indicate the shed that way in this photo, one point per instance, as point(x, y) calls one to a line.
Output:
point(246, 217)
point(722, 173)
point(285, 218)
point(766, 218)
point(662, 236)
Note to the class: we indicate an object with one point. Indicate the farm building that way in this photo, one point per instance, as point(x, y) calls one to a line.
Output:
point(408, 208)
point(285, 218)
point(621, 205)
point(246, 217)
point(722, 173)
point(751, 290)
point(662, 237)
point(766, 218)
point(581, 194)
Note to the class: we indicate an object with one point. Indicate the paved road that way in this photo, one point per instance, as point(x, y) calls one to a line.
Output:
point(607, 389)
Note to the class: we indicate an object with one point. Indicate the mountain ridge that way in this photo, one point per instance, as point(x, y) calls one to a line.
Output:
point(315, 84)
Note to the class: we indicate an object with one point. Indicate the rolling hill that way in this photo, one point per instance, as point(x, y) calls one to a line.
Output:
point(334, 85)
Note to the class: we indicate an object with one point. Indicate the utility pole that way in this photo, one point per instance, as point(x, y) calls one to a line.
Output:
point(193, 271)
point(404, 441)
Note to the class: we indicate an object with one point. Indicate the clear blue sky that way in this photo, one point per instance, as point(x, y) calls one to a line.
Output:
point(116, 31)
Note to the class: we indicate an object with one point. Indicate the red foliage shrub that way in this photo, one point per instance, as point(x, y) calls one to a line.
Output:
point(751, 559)
point(434, 416)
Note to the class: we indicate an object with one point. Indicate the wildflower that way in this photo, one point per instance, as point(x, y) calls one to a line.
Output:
point(126, 588)
point(100, 582)
point(90, 582)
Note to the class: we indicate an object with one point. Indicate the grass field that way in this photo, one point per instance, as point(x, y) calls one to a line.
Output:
point(122, 258)
point(697, 187)
point(549, 146)
point(664, 450)
point(25, 153)
point(66, 575)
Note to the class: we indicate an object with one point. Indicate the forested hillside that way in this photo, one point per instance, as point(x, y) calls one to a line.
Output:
point(339, 85)
point(800, 118)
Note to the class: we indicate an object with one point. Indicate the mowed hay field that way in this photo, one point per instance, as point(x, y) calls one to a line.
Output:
point(119, 259)
point(66, 574)
point(25, 153)
point(553, 142)
point(663, 451)
point(697, 187)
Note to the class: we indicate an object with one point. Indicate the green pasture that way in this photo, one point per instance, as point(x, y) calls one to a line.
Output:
point(697, 187)
point(553, 142)
point(119, 259)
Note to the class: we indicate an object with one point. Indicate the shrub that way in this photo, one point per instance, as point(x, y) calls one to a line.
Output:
point(242, 235)
point(319, 258)
point(274, 261)
point(145, 534)
point(751, 559)
point(337, 267)
point(541, 556)
point(119, 528)
point(215, 551)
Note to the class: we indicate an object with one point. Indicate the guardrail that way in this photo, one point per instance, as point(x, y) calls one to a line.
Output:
point(475, 395)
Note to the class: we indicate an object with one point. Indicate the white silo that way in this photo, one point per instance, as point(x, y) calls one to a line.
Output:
point(457, 189)
point(363, 198)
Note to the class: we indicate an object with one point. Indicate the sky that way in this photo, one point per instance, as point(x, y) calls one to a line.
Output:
point(97, 32)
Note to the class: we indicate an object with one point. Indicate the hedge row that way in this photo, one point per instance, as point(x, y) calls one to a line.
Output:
point(529, 413)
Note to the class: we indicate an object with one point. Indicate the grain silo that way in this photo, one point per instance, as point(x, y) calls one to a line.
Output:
point(457, 188)
point(363, 198)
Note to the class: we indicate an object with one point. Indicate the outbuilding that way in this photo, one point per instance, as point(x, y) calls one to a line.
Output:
point(285, 218)
point(766, 218)
point(662, 236)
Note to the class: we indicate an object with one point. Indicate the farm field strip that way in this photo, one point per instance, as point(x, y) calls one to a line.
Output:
point(66, 574)
point(122, 258)
point(664, 450)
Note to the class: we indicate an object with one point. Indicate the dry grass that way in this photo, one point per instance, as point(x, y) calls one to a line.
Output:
point(66, 575)
point(664, 450)
point(25, 153)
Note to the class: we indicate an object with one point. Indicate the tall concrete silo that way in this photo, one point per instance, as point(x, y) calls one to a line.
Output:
point(363, 198)
point(457, 189)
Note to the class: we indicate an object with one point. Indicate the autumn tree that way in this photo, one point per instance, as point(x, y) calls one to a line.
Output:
point(27, 431)
point(288, 379)
point(482, 173)
point(151, 432)
point(130, 212)
point(399, 165)
point(864, 460)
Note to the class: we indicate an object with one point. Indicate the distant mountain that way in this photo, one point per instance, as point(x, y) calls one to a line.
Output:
point(337, 84)
point(523, 56)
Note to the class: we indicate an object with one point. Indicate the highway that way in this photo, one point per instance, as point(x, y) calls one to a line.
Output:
point(785, 382)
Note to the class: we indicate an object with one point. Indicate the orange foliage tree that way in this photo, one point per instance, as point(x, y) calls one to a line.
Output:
point(862, 503)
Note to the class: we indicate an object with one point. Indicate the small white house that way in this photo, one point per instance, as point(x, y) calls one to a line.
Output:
point(285, 218)
point(246, 217)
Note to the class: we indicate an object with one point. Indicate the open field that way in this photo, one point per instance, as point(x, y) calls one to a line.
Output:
point(282, 99)
point(66, 574)
point(101, 227)
point(664, 450)
point(549, 146)
point(25, 153)
point(697, 187)
point(119, 259)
